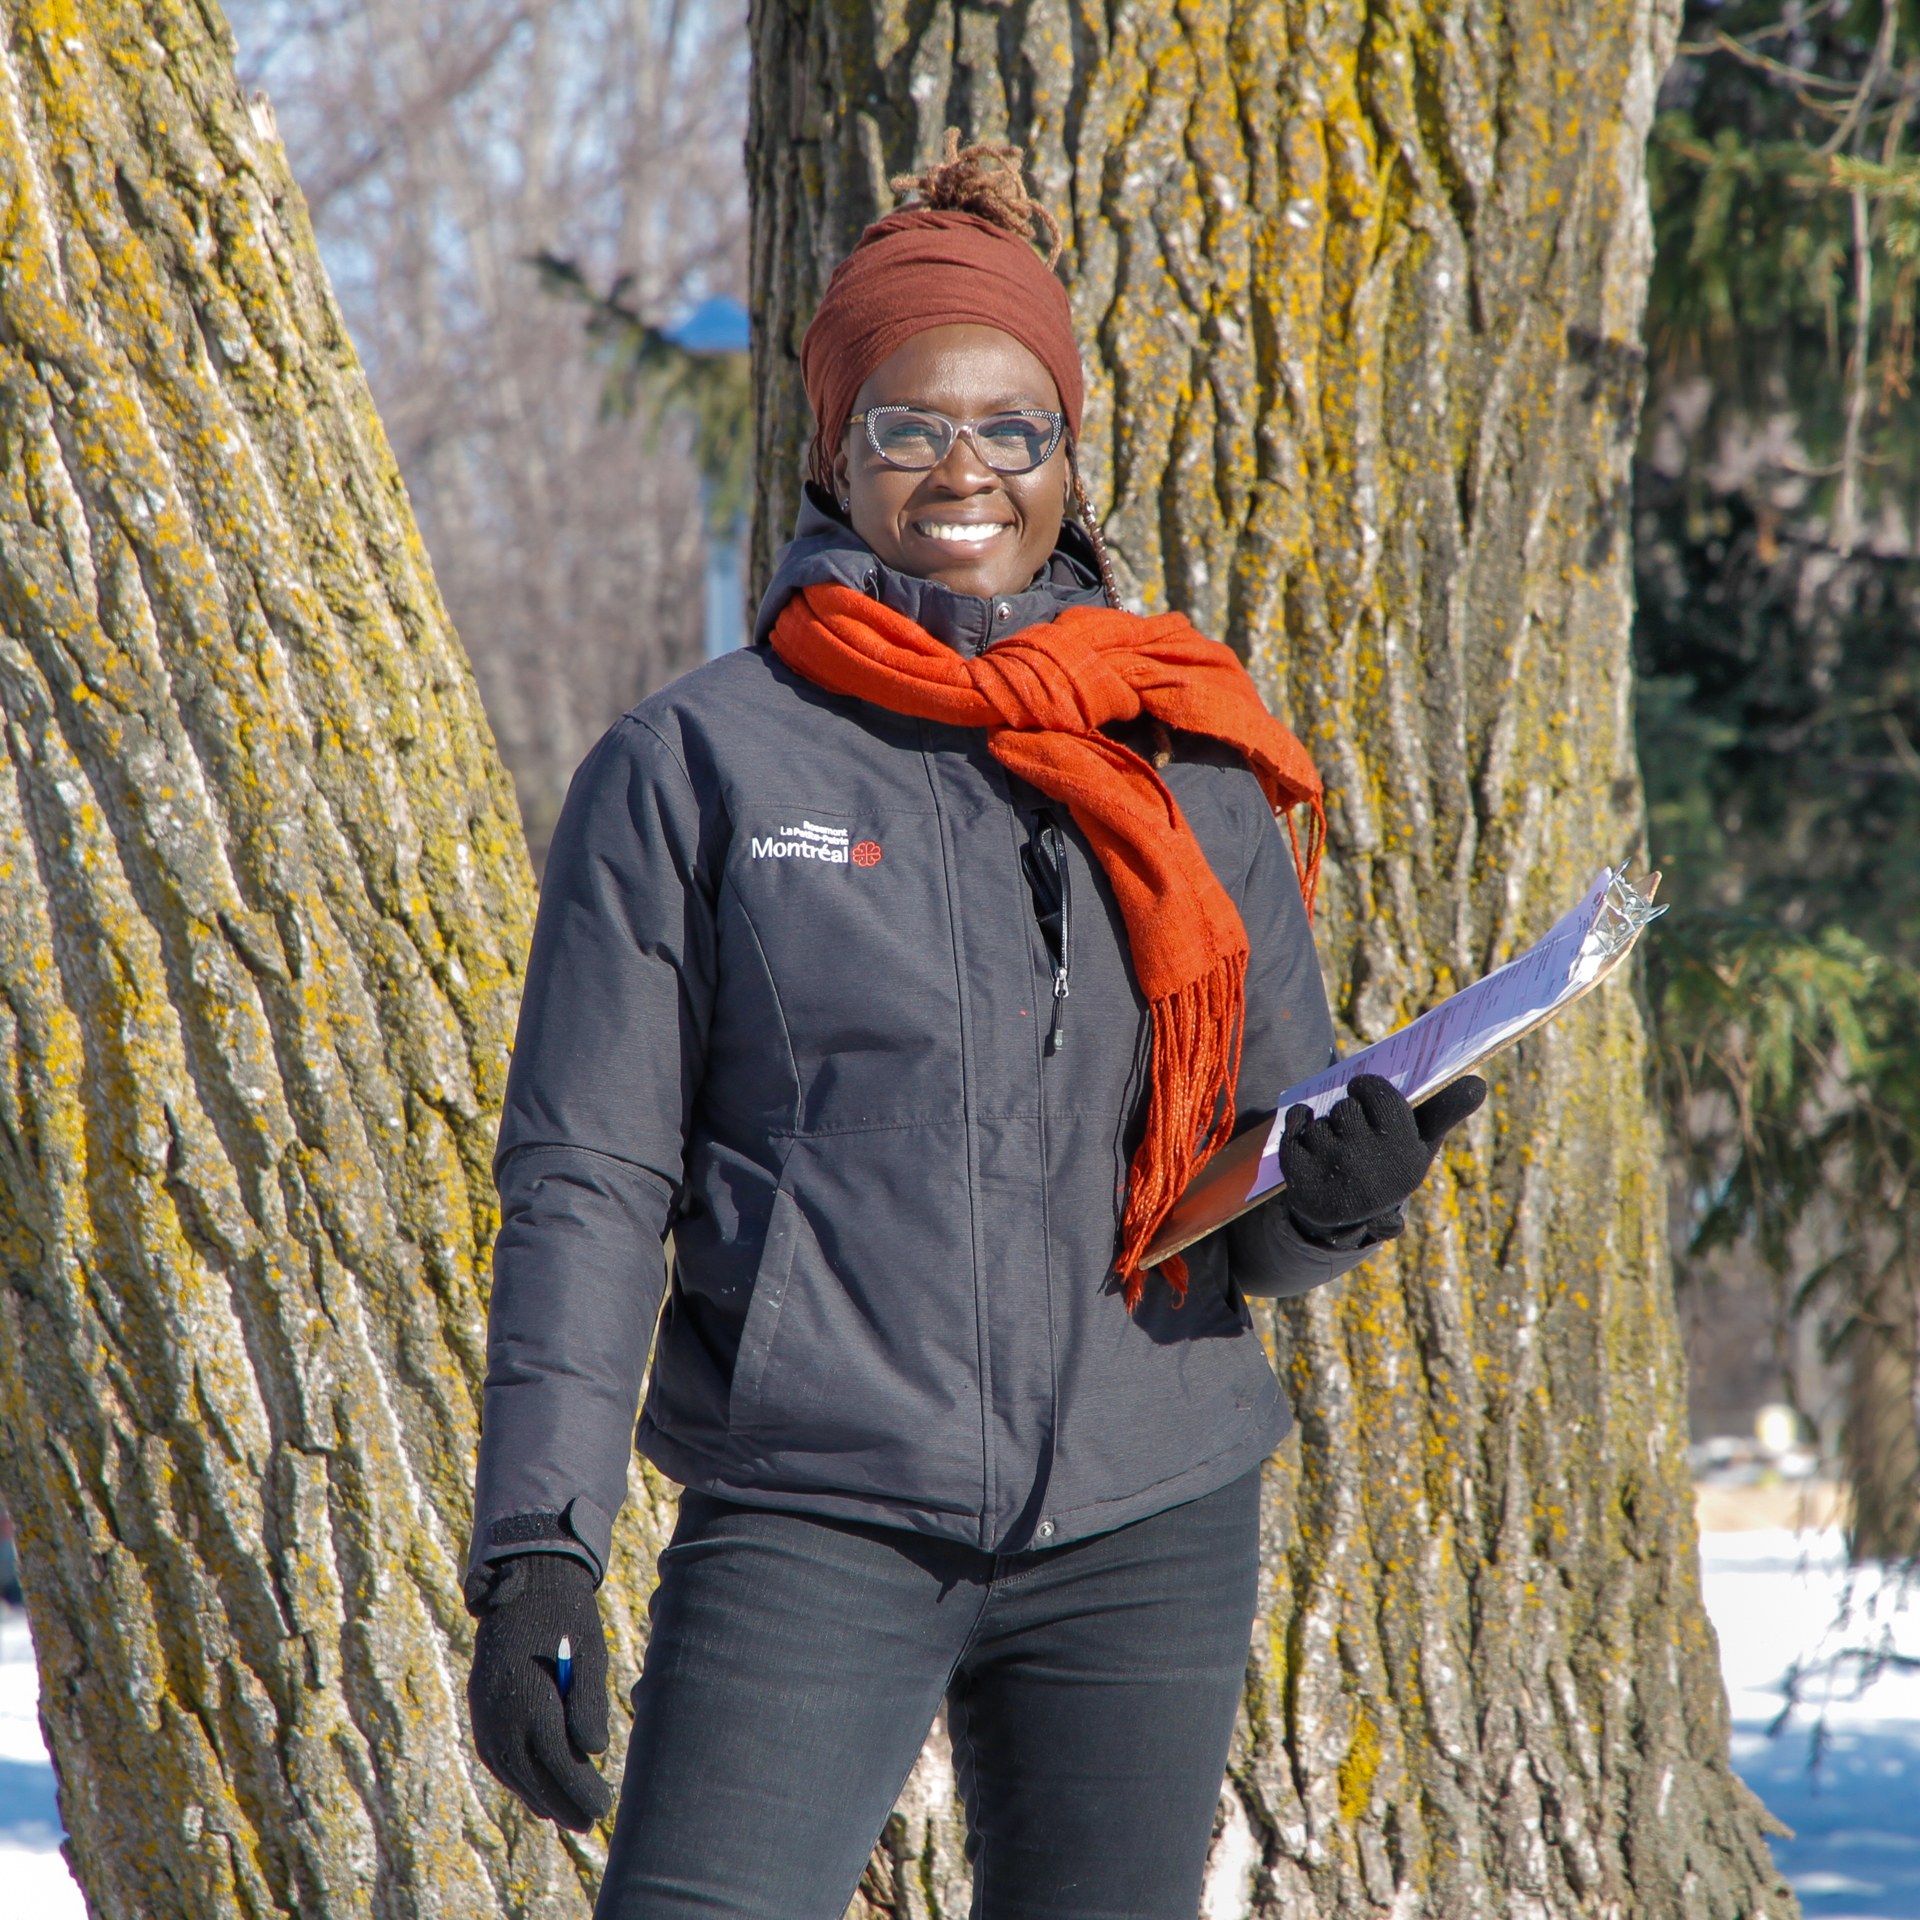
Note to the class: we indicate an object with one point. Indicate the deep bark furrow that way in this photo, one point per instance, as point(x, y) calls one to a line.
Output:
point(1359, 289)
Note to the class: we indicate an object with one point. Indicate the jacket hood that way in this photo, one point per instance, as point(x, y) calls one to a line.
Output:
point(825, 551)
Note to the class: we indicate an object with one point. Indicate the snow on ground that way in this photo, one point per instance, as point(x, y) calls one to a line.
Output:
point(1844, 1769)
point(38, 1885)
point(1843, 1772)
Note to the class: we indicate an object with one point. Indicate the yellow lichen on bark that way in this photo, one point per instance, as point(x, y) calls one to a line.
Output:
point(264, 901)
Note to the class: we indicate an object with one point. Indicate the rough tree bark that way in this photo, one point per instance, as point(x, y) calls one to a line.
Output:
point(263, 906)
point(1359, 285)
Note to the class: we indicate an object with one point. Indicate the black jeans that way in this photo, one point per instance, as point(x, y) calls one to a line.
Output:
point(795, 1665)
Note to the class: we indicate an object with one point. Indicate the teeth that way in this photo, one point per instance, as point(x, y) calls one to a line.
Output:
point(971, 534)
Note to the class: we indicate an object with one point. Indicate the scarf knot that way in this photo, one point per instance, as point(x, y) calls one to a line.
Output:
point(1042, 696)
point(1053, 679)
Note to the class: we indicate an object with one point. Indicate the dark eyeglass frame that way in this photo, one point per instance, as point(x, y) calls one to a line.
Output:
point(955, 428)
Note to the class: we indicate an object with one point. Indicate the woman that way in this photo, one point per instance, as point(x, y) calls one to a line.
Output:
point(900, 965)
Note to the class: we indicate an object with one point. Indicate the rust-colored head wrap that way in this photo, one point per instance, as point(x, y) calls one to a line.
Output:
point(937, 265)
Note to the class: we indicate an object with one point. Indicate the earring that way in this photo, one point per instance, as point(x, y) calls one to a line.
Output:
point(846, 505)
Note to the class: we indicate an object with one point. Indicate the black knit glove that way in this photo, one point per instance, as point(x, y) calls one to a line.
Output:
point(1357, 1168)
point(533, 1742)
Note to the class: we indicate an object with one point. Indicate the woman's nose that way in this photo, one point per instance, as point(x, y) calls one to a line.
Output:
point(965, 469)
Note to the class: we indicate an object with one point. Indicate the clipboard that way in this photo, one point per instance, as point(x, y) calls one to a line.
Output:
point(1585, 946)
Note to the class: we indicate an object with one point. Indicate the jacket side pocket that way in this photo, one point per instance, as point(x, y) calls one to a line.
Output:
point(763, 1314)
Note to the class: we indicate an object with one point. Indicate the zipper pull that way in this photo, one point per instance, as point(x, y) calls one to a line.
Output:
point(1056, 1034)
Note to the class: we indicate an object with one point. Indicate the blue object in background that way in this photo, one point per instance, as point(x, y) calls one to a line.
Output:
point(29, 1807)
point(720, 325)
point(725, 583)
point(29, 1801)
point(9, 1564)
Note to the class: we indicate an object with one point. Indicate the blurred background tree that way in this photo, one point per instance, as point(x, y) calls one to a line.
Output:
point(443, 146)
point(1777, 500)
point(696, 378)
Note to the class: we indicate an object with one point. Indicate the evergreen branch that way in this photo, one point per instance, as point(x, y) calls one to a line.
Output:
point(1897, 180)
point(1807, 1042)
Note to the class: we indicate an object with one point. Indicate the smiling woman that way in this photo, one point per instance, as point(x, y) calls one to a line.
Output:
point(943, 1435)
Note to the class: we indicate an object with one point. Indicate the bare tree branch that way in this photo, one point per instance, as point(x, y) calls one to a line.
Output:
point(443, 144)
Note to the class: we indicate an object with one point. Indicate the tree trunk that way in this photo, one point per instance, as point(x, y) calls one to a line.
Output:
point(263, 906)
point(1880, 1436)
point(1359, 287)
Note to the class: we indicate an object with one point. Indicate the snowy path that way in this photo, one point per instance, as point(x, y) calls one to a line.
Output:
point(1775, 1599)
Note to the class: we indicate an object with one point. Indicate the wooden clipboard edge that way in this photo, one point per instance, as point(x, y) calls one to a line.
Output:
point(1206, 1206)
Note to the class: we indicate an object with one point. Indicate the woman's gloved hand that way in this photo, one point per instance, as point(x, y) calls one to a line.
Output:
point(534, 1742)
point(1356, 1168)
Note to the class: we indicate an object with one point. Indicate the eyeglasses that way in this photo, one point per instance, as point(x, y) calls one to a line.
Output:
point(916, 439)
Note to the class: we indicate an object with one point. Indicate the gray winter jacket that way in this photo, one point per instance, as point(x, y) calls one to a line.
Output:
point(790, 999)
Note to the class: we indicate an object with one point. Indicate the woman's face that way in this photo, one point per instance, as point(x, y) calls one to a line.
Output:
point(961, 523)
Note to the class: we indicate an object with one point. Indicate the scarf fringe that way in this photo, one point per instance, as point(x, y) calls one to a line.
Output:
point(1196, 1061)
point(1307, 866)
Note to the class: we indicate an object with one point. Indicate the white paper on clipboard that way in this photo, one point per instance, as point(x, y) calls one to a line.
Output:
point(1479, 1020)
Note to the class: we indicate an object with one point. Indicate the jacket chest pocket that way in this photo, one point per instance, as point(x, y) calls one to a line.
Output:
point(843, 923)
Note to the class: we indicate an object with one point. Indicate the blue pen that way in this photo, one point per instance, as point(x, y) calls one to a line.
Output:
point(563, 1667)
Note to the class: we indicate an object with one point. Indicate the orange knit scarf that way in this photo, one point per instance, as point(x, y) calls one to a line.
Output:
point(1043, 695)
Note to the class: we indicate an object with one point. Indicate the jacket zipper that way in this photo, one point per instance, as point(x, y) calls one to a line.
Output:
point(1057, 1033)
